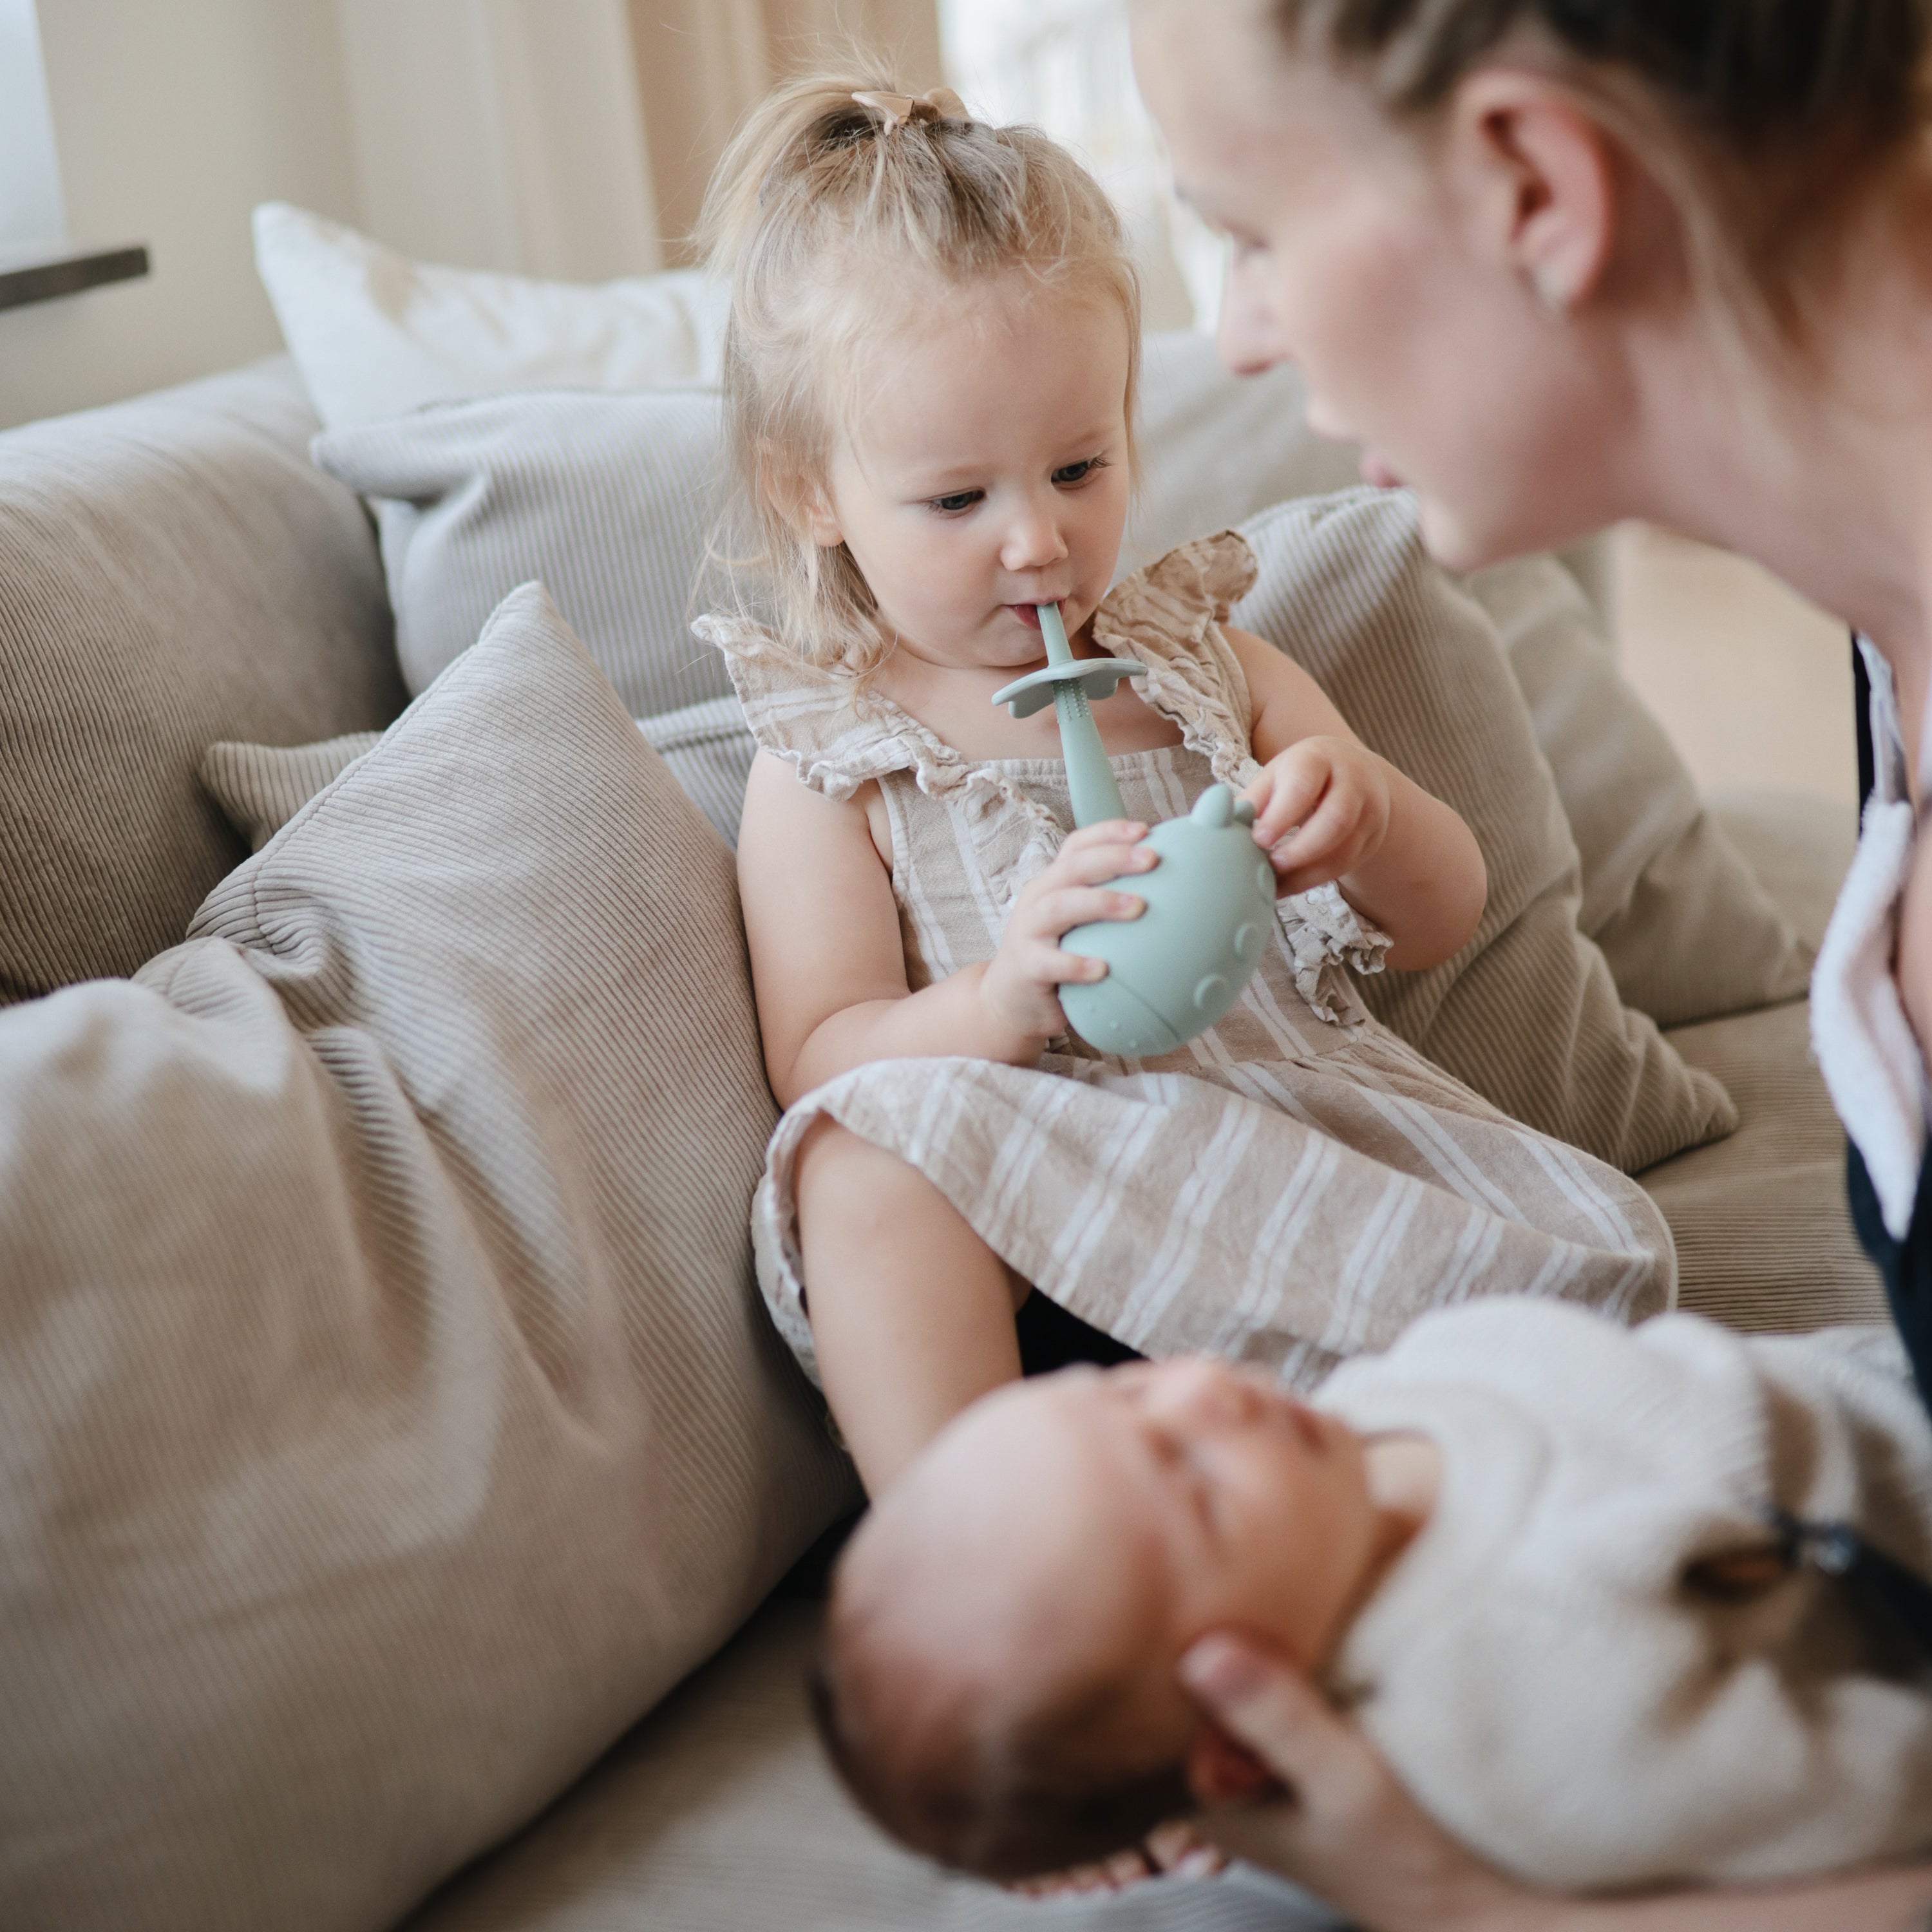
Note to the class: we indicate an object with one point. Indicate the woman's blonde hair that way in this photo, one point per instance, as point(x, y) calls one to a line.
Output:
point(831, 216)
point(1767, 120)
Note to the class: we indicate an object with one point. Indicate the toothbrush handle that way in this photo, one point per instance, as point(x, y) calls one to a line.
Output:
point(1090, 778)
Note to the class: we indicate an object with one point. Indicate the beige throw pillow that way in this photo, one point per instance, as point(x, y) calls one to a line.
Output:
point(1527, 1013)
point(1687, 928)
point(172, 570)
point(403, 1422)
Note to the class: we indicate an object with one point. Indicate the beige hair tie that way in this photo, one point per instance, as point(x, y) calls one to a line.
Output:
point(898, 110)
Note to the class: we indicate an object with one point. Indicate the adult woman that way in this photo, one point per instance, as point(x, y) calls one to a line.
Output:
point(1555, 262)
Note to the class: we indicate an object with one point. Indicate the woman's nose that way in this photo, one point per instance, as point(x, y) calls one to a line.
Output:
point(1249, 336)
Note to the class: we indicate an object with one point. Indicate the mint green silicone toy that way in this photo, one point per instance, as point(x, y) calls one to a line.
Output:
point(1173, 972)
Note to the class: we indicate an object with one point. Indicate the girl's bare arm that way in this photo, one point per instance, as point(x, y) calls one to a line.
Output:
point(828, 963)
point(1424, 882)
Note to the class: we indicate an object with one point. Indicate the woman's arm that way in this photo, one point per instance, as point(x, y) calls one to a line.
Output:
point(828, 961)
point(1349, 1832)
point(1401, 857)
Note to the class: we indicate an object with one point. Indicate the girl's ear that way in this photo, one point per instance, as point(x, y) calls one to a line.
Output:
point(799, 498)
point(1539, 175)
point(1220, 1771)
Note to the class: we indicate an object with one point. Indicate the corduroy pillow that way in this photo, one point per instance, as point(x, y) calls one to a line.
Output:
point(609, 499)
point(706, 747)
point(172, 570)
point(1687, 927)
point(404, 1422)
point(1527, 1013)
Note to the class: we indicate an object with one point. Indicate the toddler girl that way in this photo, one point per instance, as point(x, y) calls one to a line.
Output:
point(930, 368)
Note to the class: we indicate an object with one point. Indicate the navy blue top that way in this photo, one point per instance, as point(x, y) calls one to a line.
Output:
point(1907, 1265)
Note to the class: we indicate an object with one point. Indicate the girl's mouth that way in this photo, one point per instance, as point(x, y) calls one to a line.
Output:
point(1026, 613)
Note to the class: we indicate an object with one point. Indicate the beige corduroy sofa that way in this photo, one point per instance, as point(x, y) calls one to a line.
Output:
point(174, 572)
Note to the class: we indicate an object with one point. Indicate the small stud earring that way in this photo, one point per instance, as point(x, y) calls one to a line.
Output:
point(1550, 290)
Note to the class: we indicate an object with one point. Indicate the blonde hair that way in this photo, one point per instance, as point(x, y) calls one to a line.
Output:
point(820, 207)
point(1766, 120)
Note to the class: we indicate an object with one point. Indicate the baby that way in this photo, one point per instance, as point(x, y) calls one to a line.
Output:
point(1533, 1551)
point(930, 368)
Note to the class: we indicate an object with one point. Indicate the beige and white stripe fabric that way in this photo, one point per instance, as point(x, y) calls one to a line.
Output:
point(1292, 1187)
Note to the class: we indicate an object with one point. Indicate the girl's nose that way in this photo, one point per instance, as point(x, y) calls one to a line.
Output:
point(1032, 541)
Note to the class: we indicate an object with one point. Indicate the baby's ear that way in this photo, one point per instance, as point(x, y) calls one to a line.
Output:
point(1220, 1771)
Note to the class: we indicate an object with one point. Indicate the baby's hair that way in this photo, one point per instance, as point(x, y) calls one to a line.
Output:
point(1006, 1796)
point(830, 217)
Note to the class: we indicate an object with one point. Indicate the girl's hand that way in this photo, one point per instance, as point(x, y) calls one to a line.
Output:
point(1017, 989)
point(1321, 810)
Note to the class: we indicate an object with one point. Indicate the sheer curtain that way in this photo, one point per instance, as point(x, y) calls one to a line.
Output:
point(573, 138)
point(702, 64)
point(1064, 65)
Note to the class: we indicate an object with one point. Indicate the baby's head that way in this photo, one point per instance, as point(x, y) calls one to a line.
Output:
point(998, 1686)
point(929, 371)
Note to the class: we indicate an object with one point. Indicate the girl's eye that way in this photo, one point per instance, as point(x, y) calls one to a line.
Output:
point(1078, 472)
point(959, 500)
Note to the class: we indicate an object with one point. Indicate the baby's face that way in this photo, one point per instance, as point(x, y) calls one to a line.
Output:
point(1092, 1525)
point(1240, 1505)
point(984, 470)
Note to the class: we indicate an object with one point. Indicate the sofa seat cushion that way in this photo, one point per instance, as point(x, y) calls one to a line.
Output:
point(1764, 1238)
point(402, 1421)
point(719, 1813)
point(173, 571)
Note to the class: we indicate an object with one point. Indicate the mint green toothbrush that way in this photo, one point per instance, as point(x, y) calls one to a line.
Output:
point(1173, 972)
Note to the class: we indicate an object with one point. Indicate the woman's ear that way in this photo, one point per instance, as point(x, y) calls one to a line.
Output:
point(1220, 1771)
point(1540, 176)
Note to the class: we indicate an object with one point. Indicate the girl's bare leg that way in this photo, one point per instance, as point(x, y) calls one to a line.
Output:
point(912, 1314)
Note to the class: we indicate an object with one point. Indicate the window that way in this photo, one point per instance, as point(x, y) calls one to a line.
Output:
point(1064, 64)
point(33, 222)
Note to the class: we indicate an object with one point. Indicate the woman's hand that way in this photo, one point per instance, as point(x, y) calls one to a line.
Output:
point(1340, 1825)
point(1017, 990)
point(1321, 810)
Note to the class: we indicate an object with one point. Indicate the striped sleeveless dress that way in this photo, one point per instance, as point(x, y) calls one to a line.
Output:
point(1291, 1187)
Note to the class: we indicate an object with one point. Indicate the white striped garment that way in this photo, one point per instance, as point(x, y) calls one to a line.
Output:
point(1291, 1187)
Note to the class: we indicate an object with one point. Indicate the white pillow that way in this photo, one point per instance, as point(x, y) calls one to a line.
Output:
point(374, 334)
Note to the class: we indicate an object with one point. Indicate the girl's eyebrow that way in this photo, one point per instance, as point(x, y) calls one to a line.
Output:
point(933, 481)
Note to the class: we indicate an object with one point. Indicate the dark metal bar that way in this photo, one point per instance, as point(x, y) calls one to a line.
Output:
point(68, 275)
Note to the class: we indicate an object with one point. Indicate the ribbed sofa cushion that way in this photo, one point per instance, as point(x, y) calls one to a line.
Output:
point(173, 571)
point(402, 1422)
point(1688, 931)
point(609, 499)
point(1527, 1013)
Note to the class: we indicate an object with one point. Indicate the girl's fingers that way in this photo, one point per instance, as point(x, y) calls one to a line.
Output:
point(1095, 865)
point(1322, 836)
point(1076, 969)
point(1057, 912)
point(1295, 791)
point(1108, 831)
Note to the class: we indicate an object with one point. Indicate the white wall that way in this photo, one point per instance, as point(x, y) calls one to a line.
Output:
point(173, 117)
